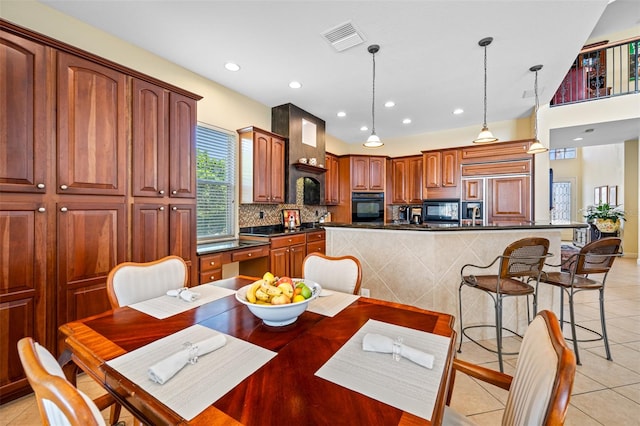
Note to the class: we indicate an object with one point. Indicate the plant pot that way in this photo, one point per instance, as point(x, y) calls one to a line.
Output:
point(607, 225)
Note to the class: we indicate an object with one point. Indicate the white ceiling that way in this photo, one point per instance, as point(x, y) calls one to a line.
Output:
point(429, 62)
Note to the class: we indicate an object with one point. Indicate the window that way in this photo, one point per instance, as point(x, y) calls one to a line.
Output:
point(562, 153)
point(215, 172)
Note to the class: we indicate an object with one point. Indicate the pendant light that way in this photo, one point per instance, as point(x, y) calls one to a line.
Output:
point(536, 147)
point(373, 141)
point(485, 135)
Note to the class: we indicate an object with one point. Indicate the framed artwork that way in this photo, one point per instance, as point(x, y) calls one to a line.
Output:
point(291, 212)
point(596, 196)
point(613, 195)
point(604, 194)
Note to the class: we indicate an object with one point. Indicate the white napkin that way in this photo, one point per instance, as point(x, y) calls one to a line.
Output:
point(377, 343)
point(164, 370)
point(184, 294)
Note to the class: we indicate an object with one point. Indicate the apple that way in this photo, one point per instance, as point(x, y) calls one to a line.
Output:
point(281, 299)
point(282, 280)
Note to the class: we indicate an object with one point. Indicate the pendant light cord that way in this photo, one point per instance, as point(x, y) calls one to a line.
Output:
point(535, 122)
point(484, 123)
point(373, 101)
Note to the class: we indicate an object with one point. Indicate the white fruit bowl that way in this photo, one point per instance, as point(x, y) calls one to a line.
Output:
point(279, 315)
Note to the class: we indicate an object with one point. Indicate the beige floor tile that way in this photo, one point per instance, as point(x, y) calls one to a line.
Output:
point(621, 411)
point(470, 398)
point(575, 417)
point(491, 418)
point(631, 391)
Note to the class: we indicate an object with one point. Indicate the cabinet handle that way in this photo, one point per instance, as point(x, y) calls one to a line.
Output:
point(174, 209)
point(161, 192)
point(174, 192)
point(248, 254)
point(161, 208)
point(63, 187)
point(212, 263)
point(212, 278)
point(42, 209)
point(40, 186)
point(63, 209)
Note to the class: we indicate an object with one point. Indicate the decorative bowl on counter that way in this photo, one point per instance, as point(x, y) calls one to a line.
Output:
point(279, 315)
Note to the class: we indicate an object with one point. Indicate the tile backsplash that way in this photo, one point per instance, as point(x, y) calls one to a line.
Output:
point(249, 214)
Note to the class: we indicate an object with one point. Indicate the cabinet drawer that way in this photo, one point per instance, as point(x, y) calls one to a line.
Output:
point(504, 168)
point(316, 247)
point(211, 262)
point(316, 236)
point(288, 240)
point(495, 151)
point(252, 253)
point(207, 277)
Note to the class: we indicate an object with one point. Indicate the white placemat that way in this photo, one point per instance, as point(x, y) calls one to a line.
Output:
point(196, 386)
point(333, 304)
point(165, 306)
point(401, 384)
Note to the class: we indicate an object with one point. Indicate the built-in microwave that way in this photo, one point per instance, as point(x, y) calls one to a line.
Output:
point(367, 207)
point(441, 211)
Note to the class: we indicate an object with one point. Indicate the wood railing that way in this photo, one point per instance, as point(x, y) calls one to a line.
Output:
point(602, 70)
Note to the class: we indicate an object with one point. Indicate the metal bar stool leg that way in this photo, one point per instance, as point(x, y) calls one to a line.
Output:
point(498, 308)
point(573, 328)
point(460, 319)
point(561, 308)
point(604, 327)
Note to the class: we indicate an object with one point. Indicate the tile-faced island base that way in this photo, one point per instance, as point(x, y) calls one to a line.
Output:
point(422, 268)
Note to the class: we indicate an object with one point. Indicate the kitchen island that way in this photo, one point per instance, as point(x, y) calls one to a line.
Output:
point(420, 265)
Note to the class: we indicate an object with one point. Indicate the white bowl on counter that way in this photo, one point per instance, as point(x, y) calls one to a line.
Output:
point(279, 315)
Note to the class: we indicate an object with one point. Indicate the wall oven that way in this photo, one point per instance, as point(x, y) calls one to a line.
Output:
point(367, 207)
point(441, 212)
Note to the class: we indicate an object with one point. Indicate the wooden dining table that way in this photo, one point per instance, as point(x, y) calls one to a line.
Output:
point(283, 392)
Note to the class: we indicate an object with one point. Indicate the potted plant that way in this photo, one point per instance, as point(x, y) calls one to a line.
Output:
point(605, 217)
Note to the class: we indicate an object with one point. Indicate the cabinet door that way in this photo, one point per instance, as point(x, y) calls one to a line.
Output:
point(510, 200)
point(360, 173)
point(23, 307)
point(25, 105)
point(182, 235)
point(472, 190)
point(332, 180)
point(297, 254)
point(261, 168)
point(150, 164)
point(414, 180)
point(450, 173)
point(92, 128)
point(432, 169)
point(279, 261)
point(376, 173)
point(91, 241)
point(277, 170)
point(182, 146)
point(399, 174)
point(150, 222)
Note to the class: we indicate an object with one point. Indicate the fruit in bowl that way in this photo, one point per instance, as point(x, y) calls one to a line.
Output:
point(275, 301)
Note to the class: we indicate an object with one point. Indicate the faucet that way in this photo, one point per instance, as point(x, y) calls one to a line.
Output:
point(474, 214)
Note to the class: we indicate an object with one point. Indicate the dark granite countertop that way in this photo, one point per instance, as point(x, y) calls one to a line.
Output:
point(455, 227)
point(222, 246)
point(278, 230)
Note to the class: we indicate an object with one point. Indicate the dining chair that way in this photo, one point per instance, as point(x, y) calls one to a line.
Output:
point(540, 389)
point(577, 275)
point(521, 262)
point(342, 273)
point(131, 282)
point(59, 402)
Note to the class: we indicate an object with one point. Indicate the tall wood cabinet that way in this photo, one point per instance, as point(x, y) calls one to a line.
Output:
point(69, 211)
point(406, 180)
point(262, 166)
point(332, 180)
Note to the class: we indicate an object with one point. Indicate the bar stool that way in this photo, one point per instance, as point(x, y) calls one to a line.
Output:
point(521, 262)
point(594, 258)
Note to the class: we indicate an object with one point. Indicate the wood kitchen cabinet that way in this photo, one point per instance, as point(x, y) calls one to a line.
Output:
point(472, 190)
point(332, 180)
point(501, 151)
point(316, 242)
point(262, 166)
point(93, 121)
point(406, 180)
point(509, 200)
point(287, 254)
point(367, 173)
point(441, 173)
point(64, 217)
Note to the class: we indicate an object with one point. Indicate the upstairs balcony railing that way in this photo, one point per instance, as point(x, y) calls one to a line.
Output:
point(601, 71)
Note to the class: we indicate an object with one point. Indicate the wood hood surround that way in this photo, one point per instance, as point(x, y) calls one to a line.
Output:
point(286, 120)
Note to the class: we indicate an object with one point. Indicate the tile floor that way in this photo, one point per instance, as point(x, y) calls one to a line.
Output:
point(604, 392)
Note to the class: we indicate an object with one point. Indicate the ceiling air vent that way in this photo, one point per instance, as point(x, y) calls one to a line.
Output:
point(343, 36)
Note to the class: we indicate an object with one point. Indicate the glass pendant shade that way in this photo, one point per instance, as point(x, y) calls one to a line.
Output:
point(373, 141)
point(537, 148)
point(485, 136)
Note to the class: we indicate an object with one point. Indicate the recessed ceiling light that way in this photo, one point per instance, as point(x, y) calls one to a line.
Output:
point(342, 114)
point(389, 104)
point(295, 85)
point(232, 67)
point(458, 111)
point(364, 128)
point(577, 139)
point(406, 121)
